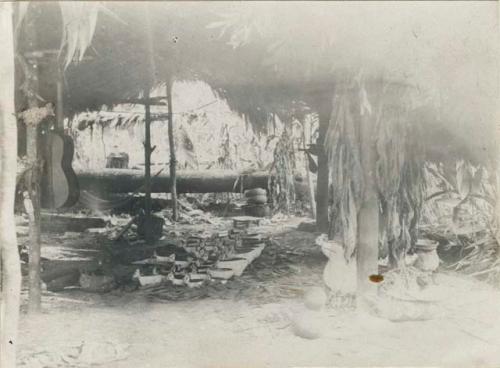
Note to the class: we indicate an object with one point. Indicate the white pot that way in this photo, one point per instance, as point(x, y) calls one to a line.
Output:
point(427, 257)
point(338, 275)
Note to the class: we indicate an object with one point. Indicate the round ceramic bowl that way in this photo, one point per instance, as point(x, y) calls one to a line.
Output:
point(221, 273)
point(223, 234)
point(194, 284)
point(255, 192)
point(218, 279)
point(176, 279)
point(202, 270)
point(196, 276)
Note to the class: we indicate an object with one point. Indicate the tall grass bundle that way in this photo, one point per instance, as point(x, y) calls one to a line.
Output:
point(398, 168)
point(343, 149)
point(281, 185)
point(399, 173)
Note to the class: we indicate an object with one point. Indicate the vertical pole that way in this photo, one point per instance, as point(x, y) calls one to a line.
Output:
point(496, 164)
point(147, 164)
point(33, 181)
point(171, 144)
point(60, 102)
point(368, 216)
point(322, 199)
point(59, 127)
point(147, 127)
point(306, 138)
point(10, 269)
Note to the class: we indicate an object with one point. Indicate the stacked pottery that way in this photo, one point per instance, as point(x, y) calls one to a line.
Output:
point(145, 280)
point(176, 278)
point(194, 245)
point(194, 280)
point(240, 224)
point(257, 203)
point(179, 271)
point(427, 257)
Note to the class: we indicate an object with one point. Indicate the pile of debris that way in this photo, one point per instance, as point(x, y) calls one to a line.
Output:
point(185, 258)
point(459, 213)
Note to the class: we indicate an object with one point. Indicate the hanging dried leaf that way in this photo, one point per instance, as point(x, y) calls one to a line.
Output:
point(464, 179)
point(79, 24)
point(22, 9)
point(350, 228)
point(283, 187)
point(313, 167)
point(398, 167)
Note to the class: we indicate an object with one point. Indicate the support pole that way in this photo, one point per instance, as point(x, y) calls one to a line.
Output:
point(368, 217)
point(322, 198)
point(10, 269)
point(147, 126)
point(171, 144)
point(306, 139)
point(60, 102)
point(32, 199)
point(147, 162)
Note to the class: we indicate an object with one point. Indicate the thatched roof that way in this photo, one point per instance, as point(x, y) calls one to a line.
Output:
point(439, 48)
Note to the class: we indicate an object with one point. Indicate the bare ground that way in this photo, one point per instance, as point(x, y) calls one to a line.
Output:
point(247, 324)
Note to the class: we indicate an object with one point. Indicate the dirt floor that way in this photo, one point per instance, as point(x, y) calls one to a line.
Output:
point(248, 323)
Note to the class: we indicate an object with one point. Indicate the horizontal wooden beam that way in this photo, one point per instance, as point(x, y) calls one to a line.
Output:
point(207, 181)
point(153, 101)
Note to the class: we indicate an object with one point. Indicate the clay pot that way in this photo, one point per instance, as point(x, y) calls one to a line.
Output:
point(338, 275)
point(255, 192)
point(261, 210)
point(176, 279)
point(258, 199)
point(427, 257)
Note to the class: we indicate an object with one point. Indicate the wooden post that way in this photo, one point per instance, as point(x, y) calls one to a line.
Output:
point(48, 195)
point(32, 199)
point(322, 198)
point(147, 126)
point(306, 138)
point(171, 144)
point(10, 269)
point(368, 215)
point(496, 165)
point(60, 102)
point(147, 164)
